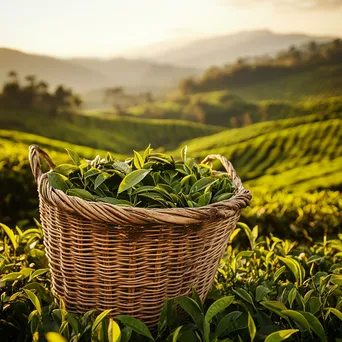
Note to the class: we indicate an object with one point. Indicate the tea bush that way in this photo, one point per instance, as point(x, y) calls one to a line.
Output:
point(18, 190)
point(297, 216)
point(274, 290)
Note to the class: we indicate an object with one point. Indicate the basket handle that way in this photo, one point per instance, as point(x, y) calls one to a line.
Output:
point(35, 152)
point(227, 165)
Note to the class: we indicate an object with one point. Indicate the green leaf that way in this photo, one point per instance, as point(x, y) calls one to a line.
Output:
point(126, 334)
point(102, 177)
point(244, 295)
point(222, 197)
point(34, 299)
point(192, 308)
point(336, 279)
point(147, 152)
point(315, 325)
point(336, 312)
point(218, 306)
point(244, 254)
point(297, 317)
point(176, 334)
point(292, 296)
point(138, 160)
point(132, 179)
point(136, 325)
point(197, 299)
point(274, 306)
point(12, 276)
point(279, 272)
point(293, 266)
point(122, 167)
point(98, 320)
point(114, 333)
point(74, 157)
point(280, 335)
point(91, 172)
point(58, 181)
point(114, 201)
point(226, 322)
point(202, 183)
point(39, 272)
point(261, 292)
point(248, 232)
point(314, 258)
point(9, 232)
point(163, 316)
point(65, 169)
point(73, 322)
point(81, 193)
point(251, 327)
point(204, 199)
point(184, 150)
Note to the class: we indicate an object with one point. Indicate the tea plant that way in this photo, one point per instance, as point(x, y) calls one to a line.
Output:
point(273, 291)
point(152, 180)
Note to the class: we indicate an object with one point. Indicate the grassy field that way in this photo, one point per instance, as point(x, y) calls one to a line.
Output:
point(120, 135)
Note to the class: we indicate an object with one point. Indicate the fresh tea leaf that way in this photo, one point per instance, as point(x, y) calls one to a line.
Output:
point(138, 160)
point(65, 169)
point(132, 179)
point(57, 181)
point(74, 157)
point(81, 193)
point(135, 325)
point(280, 335)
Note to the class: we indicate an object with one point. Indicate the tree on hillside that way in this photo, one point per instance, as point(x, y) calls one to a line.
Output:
point(246, 71)
point(35, 95)
point(13, 76)
point(186, 86)
point(295, 55)
point(119, 100)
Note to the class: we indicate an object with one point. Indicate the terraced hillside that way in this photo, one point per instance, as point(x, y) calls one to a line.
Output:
point(323, 82)
point(231, 110)
point(116, 134)
point(303, 153)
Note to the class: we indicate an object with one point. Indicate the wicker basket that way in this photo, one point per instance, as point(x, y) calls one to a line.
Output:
point(131, 259)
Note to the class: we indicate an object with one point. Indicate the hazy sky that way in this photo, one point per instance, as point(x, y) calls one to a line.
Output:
point(109, 27)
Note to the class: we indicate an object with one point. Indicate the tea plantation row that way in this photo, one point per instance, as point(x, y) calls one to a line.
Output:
point(270, 291)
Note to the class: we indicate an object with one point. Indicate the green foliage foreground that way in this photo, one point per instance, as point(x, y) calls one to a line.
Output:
point(274, 290)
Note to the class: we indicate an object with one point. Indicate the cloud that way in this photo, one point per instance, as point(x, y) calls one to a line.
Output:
point(297, 4)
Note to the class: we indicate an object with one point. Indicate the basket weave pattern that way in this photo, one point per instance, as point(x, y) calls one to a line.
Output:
point(128, 259)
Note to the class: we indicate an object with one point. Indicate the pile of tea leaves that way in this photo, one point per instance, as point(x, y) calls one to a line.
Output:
point(149, 180)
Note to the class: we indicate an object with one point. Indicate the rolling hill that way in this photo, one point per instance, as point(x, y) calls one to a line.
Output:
point(53, 70)
point(303, 153)
point(136, 73)
point(226, 108)
point(115, 134)
point(85, 74)
point(318, 83)
point(219, 50)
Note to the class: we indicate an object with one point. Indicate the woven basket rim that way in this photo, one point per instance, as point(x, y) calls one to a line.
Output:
point(123, 215)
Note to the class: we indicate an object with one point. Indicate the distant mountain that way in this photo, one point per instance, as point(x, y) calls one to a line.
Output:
point(136, 72)
point(53, 70)
point(220, 50)
point(83, 74)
